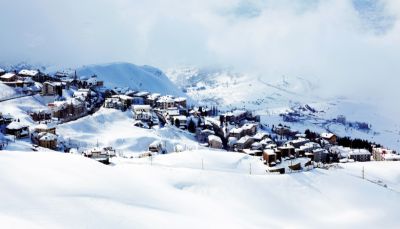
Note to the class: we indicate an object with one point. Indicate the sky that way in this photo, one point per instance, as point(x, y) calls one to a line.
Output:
point(350, 46)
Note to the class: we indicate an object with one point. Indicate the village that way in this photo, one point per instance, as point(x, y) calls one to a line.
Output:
point(69, 97)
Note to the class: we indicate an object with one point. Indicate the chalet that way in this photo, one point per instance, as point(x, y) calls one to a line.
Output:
point(256, 146)
point(253, 152)
point(52, 88)
point(331, 138)
point(320, 155)
point(244, 142)
point(125, 100)
point(249, 129)
point(69, 109)
point(93, 82)
point(202, 135)
point(114, 103)
point(47, 140)
point(45, 128)
point(258, 137)
point(157, 147)
point(180, 121)
point(309, 147)
point(235, 116)
point(215, 142)
point(299, 142)
point(269, 156)
point(236, 133)
point(165, 102)
point(5, 119)
point(360, 155)
point(100, 154)
point(180, 102)
point(382, 154)
point(17, 129)
point(142, 112)
point(152, 99)
point(9, 77)
point(340, 151)
point(28, 73)
point(287, 151)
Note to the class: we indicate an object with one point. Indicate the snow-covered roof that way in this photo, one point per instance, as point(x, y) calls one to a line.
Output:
point(47, 137)
point(141, 107)
point(180, 99)
point(8, 75)
point(243, 139)
point(45, 126)
point(236, 113)
point(248, 126)
point(165, 99)
point(214, 138)
point(359, 152)
point(236, 130)
point(327, 135)
point(16, 126)
point(26, 72)
point(269, 152)
point(142, 93)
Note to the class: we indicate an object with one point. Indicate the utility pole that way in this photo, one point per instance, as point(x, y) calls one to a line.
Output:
point(363, 173)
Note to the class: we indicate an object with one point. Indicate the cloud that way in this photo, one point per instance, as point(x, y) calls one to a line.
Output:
point(352, 47)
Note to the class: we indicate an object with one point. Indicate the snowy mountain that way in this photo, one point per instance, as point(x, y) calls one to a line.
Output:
point(124, 75)
point(273, 97)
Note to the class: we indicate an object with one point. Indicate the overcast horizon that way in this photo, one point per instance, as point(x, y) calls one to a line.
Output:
point(351, 46)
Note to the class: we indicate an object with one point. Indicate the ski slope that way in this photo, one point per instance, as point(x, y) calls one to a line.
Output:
point(55, 190)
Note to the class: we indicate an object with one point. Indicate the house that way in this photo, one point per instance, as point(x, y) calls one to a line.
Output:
point(180, 121)
point(258, 137)
point(320, 155)
point(360, 155)
point(244, 142)
point(45, 128)
point(215, 142)
point(9, 77)
point(236, 133)
point(28, 73)
point(5, 119)
point(157, 147)
point(68, 109)
point(202, 135)
point(113, 103)
point(93, 81)
point(331, 138)
point(142, 112)
point(269, 156)
point(47, 140)
point(165, 102)
point(52, 88)
point(287, 151)
point(235, 116)
point(180, 102)
point(299, 142)
point(249, 129)
point(102, 155)
point(17, 129)
point(152, 99)
point(382, 154)
point(142, 94)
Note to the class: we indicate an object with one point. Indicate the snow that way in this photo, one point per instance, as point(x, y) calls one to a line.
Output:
point(109, 127)
point(175, 192)
point(47, 137)
point(16, 126)
point(8, 75)
point(27, 72)
point(129, 75)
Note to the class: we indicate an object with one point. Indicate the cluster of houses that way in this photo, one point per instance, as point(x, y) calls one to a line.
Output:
point(24, 79)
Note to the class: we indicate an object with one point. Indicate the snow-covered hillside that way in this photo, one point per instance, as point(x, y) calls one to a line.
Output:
point(53, 190)
point(110, 127)
point(129, 75)
point(272, 97)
